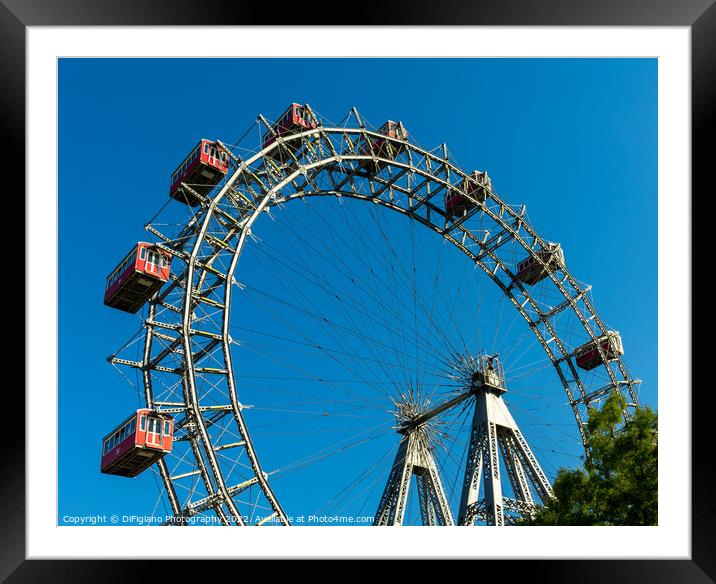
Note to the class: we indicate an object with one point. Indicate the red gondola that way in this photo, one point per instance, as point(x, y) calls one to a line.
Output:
point(530, 271)
point(383, 148)
point(201, 171)
point(476, 186)
point(588, 357)
point(139, 275)
point(137, 443)
point(297, 118)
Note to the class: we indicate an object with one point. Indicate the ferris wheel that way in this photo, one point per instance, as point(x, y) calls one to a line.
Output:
point(301, 347)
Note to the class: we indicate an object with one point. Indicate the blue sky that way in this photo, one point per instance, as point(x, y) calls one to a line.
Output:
point(573, 139)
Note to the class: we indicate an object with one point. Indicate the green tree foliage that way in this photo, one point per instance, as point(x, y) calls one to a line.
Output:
point(618, 484)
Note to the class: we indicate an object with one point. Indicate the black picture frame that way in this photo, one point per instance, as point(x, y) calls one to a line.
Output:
point(699, 15)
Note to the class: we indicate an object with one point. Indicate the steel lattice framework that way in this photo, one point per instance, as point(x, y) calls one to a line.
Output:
point(186, 355)
point(414, 457)
point(494, 432)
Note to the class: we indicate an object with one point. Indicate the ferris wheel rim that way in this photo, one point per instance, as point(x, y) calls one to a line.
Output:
point(270, 199)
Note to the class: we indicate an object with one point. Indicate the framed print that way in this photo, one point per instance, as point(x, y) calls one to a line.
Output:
point(431, 271)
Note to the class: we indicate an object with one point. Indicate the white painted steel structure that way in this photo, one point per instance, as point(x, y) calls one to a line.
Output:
point(186, 340)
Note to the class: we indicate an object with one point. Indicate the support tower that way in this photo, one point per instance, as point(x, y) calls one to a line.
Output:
point(494, 433)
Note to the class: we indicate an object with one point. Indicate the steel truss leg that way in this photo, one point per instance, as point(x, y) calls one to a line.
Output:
point(414, 457)
point(494, 434)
